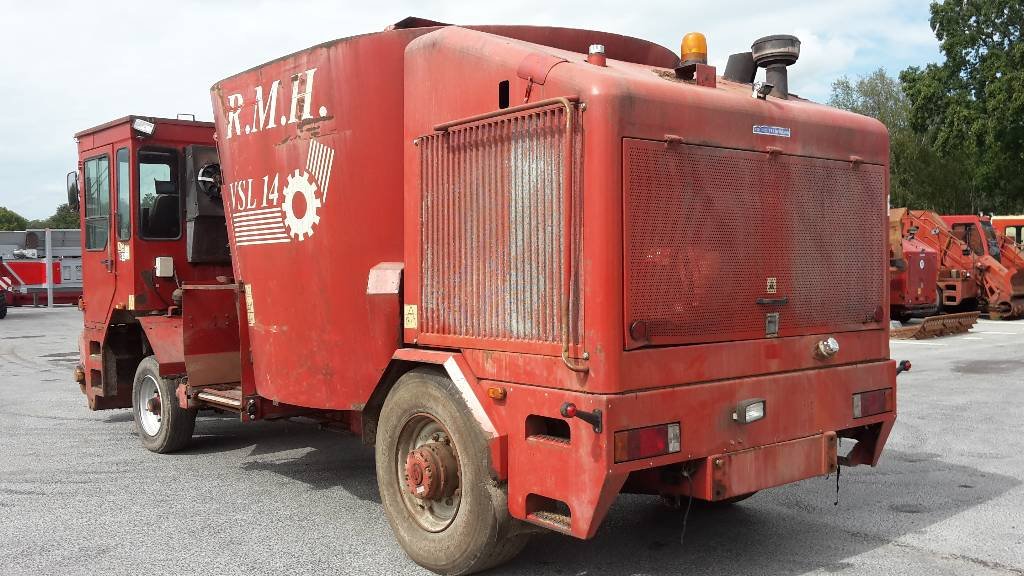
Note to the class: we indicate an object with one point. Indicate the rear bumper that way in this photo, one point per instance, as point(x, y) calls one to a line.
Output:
point(806, 412)
point(732, 474)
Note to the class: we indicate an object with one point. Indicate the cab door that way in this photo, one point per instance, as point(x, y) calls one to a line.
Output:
point(98, 246)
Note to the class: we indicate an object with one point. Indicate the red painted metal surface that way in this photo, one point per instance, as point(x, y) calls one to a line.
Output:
point(912, 289)
point(164, 334)
point(772, 230)
point(729, 475)
point(210, 334)
point(31, 271)
point(23, 282)
point(314, 202)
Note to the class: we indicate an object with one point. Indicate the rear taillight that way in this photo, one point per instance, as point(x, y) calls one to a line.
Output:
point(871, 403)
point(646, 442)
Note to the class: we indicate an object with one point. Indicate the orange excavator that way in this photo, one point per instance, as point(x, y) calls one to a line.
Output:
point(925, 282)
point(999, 263)
point(977, 269)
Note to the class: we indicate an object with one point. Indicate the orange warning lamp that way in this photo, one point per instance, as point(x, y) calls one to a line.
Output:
point(694, 49)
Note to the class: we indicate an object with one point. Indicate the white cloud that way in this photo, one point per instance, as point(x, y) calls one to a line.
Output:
point(74, 65)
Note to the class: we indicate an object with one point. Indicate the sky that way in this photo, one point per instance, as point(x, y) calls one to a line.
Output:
point(69, 66)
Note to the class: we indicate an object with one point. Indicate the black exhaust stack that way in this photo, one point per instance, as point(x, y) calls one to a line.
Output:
point(775, 54)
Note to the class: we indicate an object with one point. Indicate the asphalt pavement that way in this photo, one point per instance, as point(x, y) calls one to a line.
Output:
point(80, 495)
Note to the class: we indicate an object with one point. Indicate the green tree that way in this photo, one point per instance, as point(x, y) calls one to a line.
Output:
point(919, 178)
point(11, 220)
point(64, 217)
point(971, 107)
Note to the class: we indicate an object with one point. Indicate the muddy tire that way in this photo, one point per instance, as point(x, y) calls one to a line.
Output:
point(459, 523)
point(162, 425)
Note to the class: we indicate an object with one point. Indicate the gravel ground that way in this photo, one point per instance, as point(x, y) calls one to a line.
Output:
point(79, 494)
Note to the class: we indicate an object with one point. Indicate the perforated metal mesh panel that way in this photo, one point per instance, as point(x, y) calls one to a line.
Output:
point(493, 229)
point(709, 231)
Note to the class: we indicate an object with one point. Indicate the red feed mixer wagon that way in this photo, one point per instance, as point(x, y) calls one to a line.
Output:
point(497, 253)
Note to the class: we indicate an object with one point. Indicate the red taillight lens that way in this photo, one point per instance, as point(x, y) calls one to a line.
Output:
point(646, 442)
point(871, 403)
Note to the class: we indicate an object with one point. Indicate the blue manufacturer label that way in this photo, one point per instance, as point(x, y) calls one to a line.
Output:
point(772, 131)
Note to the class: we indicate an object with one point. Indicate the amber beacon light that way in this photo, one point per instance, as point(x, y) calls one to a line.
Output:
point(694, 49)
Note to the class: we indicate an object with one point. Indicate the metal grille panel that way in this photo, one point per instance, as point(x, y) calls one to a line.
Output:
point(492, 210)
point(710, 231)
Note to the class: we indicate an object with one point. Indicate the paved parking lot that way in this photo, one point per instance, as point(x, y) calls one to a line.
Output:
point(79, 494)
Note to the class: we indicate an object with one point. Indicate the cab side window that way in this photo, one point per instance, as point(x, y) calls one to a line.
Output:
point(159, 201)
point(124, 218)
point(97, 202)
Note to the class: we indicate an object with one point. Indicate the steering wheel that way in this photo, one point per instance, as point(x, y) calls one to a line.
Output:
point(208, 179)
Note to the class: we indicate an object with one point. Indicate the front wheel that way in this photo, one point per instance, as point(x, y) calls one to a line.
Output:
point(446, 511)
point(163, 425)
point(3, 306)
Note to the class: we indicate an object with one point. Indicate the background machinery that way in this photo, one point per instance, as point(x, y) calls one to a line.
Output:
point(1011, 227)
point(1000, 263)
point(24, 256)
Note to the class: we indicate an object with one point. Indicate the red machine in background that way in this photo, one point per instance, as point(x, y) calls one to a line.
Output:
point(1011, 227)
point(23, 260)
point(1000, 264)
point(913, 272)
point(512, 289)
point(969, 276)
point(925, 280)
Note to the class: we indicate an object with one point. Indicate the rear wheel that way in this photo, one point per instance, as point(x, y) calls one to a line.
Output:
point(163, 425)
point(3, 306)
point(446, 511)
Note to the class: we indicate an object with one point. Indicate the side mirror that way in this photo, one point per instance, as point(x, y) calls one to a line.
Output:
point(966, 251)
point(73, 190)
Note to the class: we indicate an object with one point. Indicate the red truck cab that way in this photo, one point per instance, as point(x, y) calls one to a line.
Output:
point(139, 240)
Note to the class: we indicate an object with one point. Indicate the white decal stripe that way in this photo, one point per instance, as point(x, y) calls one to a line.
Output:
point(327, 171)
point(262, 218)
point(260, 226)
point(319, 163)
point(255, 242)
point(278, 233)
point(472, 402)
point(311, 159)
point(316, 158)
point(255, 212)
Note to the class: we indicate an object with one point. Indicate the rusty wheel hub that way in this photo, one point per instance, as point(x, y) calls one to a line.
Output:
point(431, 471)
